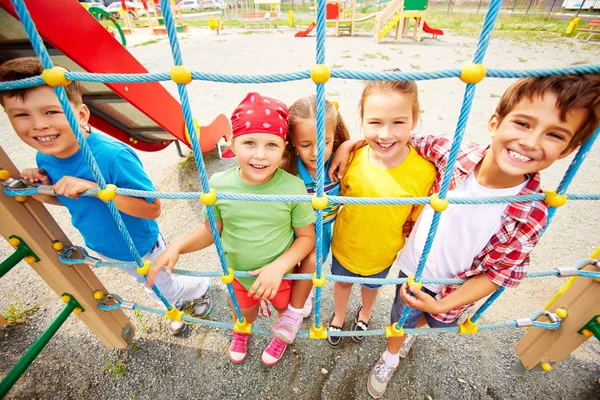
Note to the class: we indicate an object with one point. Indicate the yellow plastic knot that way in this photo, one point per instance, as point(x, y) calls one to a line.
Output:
point(55, 76)
point(197, 128)
point(131, 139)
point(227, 279)
point(318, 282)
point(4, 174)
point(546, 367)
point(77, 311)
point(135, 141)
point(319, 203)
point(210, 198)
point(320, 73)
point(411, 282)
point(587, 333)
point(108, 194)
point(14, 242)
point(472, 73)
point(57, 245)
point(143, 270)
point(174, 314)
point(317, 333)
point(181, 75)
point(554, 199)
point(468, 327)
point(438, 204)
point(335, 104)
point(21, 199)
point(98, 295)
point(392, 331)
point(242, 327)
point(561, 312)
point(65, 298)
point(30, 259)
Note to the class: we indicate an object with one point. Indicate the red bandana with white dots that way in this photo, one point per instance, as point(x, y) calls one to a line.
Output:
point(260, 114)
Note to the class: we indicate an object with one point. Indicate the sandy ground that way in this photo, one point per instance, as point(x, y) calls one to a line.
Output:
point(76, 365)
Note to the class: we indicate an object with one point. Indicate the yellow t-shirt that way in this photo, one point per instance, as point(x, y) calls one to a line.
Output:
point(367, 238)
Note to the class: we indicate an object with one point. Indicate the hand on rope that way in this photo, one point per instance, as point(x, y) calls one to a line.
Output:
point(38, 176)
point(267, 282)
point(72, 187)
point(166, 260)
point(420, 300)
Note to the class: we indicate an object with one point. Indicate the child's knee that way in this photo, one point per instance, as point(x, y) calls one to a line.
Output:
point(309, 264)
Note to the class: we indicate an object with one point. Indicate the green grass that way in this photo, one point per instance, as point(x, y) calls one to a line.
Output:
point(151, 41)
point(414, 66)
point(522, 60)
point(337, 66)
point(495, 96)
point(333, 94)
point(141, 323)
point(117, 369)
point(367, 55)
point(187, 164)
point(346, 57)
point(17, 313)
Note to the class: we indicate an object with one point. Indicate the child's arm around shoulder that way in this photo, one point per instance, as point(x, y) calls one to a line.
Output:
point(432, 148)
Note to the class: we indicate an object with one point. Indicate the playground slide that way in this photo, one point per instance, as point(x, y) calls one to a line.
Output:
point(307, 31)
point(435, 32)
point(388, 18)
point(150, 121)
point(368, 17)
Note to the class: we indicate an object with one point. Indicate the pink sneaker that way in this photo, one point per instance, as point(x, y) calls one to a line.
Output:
point(308, 305)
point(273, 352)
point(286, 327)
point(238, 347)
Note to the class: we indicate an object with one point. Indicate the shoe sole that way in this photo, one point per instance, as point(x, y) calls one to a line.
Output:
point(370, 389)
point(234, 361)
point(180, 332)
point(266, 364)
point(282, 338)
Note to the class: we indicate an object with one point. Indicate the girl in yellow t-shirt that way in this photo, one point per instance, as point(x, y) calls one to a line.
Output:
point(367, 238)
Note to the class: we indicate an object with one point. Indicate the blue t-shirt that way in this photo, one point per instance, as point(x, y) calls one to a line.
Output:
point(120, 166)
point(330, 212)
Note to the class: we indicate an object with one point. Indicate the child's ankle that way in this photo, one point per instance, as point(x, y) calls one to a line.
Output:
point(294, 309)
point(391, 360)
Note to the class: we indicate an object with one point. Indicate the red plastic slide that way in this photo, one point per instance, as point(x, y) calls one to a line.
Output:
point(307, 31)
point(433, 31)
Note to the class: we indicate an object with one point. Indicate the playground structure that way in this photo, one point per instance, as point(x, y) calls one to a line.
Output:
point(396, 13)
point(38, 240)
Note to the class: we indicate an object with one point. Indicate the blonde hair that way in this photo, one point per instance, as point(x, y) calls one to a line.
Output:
point(306, 109)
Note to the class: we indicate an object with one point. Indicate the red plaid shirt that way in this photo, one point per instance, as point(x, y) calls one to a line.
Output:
point(504, 260)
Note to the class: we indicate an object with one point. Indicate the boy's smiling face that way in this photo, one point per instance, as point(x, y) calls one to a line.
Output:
point(39, 120)
point(530, 138)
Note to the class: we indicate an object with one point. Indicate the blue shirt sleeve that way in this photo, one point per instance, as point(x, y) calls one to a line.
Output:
point(127, 172)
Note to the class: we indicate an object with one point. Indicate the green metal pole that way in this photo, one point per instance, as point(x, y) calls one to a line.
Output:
point(41, 342)
point(20, 253)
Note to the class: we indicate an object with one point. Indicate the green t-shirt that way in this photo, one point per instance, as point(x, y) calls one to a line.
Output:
point(256, 233)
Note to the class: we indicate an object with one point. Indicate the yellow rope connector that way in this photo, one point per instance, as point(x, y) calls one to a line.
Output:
point(554, 199)
point(227, 279)
point(30, 259)
point(145, 268)
point(319, 203)
point(472, 73)
point(4, 174)
point(55, 76)
point(77, 311)
point(21, 199)
point(181, 75)
point(546, 367)
point(210, 198)
point(174, 314)
point(14, 242)
point(242, 327)
point(108, 194)
point(65, 298)
point(392, 331)
point(438, 204)
point(98, 295)
point(318, 333)
point(411, 282)
point(468, 327)
point(318, 282)
point(320, 73)
point(57, 245)
point(561, 312)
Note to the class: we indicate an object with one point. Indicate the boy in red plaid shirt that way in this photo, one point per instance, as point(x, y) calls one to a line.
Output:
point(538, 121)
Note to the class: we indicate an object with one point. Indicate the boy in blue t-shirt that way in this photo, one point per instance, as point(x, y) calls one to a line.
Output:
point(38, 119)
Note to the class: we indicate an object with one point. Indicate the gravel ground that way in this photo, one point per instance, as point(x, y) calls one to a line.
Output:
point(76, 365)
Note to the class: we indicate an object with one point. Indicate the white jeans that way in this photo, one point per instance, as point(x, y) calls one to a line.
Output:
point(175, 288)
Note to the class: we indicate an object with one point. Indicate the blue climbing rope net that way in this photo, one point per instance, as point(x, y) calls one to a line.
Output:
point(318, 330)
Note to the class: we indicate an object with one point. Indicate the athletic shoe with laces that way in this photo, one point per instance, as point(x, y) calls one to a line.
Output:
point(203, 305)
point(238, 349)
point(408, 342)
point(308, 305)
point(287, 325)
point(379, 377)
point(273, 352)
point(177, 327)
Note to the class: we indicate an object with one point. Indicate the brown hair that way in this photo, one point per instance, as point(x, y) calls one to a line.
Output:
point(408, 88)
point(29, 67)
point(572, 92)
point(303, 109)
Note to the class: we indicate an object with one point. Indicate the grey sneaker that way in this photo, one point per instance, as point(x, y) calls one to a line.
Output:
point(379, 377)
point(177, 327)
point(408, 342)
point(203, 305)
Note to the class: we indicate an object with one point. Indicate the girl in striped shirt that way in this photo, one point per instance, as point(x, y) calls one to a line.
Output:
point(300, 158)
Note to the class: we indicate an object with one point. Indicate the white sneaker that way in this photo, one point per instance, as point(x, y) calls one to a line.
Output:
point(307, 309)
point(408, 342)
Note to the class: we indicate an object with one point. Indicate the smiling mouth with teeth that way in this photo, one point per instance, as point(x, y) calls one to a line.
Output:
point(386, 145)
point(518, 156)
point(258, 166)
point(46, 139)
